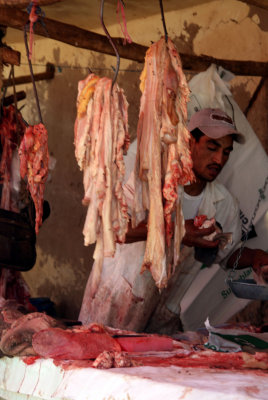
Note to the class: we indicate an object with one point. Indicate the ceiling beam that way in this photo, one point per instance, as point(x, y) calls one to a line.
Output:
point(257, 3)
point(82, 38)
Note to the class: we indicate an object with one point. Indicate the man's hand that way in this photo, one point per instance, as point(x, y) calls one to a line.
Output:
point(194, 236)
point(137, 234)
point(260, 263)
point(256, 258)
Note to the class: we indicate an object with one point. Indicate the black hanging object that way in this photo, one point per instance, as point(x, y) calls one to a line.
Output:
point(163, 20)
point(112, 43)
point(32, 75)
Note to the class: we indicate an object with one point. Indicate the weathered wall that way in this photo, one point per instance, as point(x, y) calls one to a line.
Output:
point(224, 29)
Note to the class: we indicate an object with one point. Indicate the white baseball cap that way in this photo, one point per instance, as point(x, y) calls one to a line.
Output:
point(215, 124)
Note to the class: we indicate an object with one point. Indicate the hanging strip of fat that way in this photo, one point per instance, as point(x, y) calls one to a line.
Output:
point(163, 158)
point(148, 165)
point(101, 137)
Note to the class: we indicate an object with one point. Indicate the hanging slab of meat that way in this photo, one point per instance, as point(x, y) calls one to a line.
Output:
point(101, 138)
point(17, 339)
point(72, 345)
point(163, 157)
point(12, 129)
point(34, 159)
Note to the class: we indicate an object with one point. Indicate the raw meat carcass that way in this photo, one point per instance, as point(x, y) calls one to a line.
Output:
point(34, 159)
point(163, 157)
point(101, 138)
point(12, 129)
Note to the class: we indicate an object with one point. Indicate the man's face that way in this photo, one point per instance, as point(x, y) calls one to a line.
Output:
point(210, 155)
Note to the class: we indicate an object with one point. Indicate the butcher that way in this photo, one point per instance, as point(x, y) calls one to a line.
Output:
point(128, 299)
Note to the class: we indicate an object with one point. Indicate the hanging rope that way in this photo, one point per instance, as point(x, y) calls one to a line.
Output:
point(112, 43)
point(163, 20)
point(15, 104)
point(120, 7)
point(33, 17)
point(32, 75)
point(4, 94)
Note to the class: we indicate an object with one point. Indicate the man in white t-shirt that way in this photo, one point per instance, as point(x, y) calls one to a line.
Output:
point(130, 300)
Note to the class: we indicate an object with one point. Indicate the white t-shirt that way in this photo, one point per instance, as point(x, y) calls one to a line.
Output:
point(190, 205)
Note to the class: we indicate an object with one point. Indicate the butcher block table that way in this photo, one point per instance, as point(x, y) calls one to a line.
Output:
point(44, 380)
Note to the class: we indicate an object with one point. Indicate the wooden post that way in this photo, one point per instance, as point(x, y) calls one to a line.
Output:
point(11, 99)
point(20, 80)
point(9, 56)
point(257, 3)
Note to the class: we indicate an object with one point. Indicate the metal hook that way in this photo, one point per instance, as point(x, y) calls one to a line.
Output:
point(232, 107)
point(32, 75)
point(163, 20)
point(112, 43)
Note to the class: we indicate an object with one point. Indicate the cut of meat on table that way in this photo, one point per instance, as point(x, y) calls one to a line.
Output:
point(112, 359)
point(72, 345)
point(101, 138)
point(89, 342)
point(34, 159)
point(16, 340)
point(10, 311)
point(12, 129)
point(205, 359)
point(163, 157)
point(145, 343)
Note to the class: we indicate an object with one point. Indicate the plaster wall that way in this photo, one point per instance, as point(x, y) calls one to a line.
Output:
point(224, 29)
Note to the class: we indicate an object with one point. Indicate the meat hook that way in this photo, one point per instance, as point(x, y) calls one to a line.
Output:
point(32, 75)
point(111, 41)
point(163, 20)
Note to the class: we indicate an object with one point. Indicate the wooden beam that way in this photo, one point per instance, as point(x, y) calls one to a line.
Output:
point(257, 3)
point(11, 99)
point(9, 56)
point(82, 38)
point(20, 80)
point(25, 3)
point(242, 68)
point(72, 35)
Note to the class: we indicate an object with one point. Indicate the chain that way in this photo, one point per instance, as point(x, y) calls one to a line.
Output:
point(261, 197)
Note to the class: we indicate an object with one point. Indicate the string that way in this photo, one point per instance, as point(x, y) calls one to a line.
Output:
point(33, 17)
point(120, 7)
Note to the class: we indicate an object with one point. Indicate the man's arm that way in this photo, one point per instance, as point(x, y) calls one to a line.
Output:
point(193, 236)
point(255, 258)
point(137, 234)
